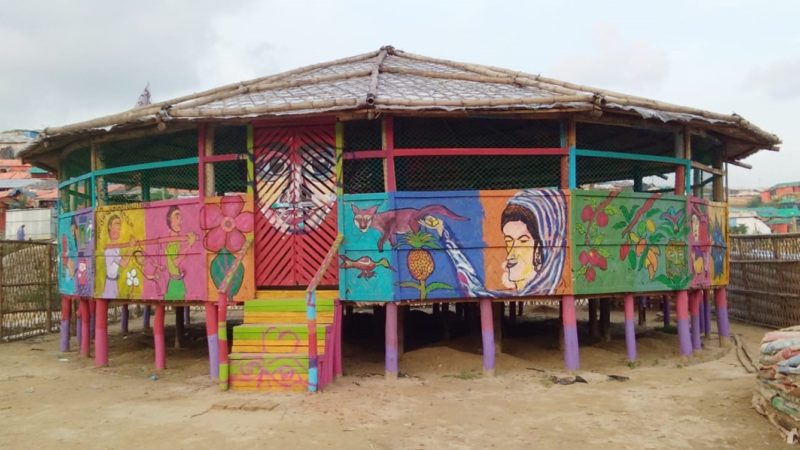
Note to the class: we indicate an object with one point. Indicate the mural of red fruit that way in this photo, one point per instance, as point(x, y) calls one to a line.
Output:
point(594, 257)
point(624, 249)
point(587, 214)
point(583, 258)
point(590, 274)
point(601, 219)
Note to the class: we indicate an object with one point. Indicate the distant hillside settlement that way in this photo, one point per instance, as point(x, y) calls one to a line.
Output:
point(773, 210)
point(24, 187)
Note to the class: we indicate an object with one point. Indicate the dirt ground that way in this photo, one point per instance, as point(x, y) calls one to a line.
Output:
point(49, 399)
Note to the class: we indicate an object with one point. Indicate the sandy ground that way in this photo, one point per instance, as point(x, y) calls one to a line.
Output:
point(54, 400)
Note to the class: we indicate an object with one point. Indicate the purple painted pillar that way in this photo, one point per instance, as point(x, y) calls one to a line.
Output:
point(682, 311)
point(723, 327)
point(146, 317)
point(66, 309)
point(487, 333)
point(123, 320)
point(571, 350)
point(666, 311)
point(694, 312)
point(391, 341)
point(212, 326)
point(707, 311)
point(630, 330)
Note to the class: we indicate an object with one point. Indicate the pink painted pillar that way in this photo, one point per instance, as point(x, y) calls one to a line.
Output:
point(158, 338)
point(723, 327)
point(570, 326)
point(66, 310)
point(85, 333)
point(487, 333)
point(212, 326)
point(682, 311)
point(630, 330)
point(101, 333)
point(694, 312)
point(391, 341)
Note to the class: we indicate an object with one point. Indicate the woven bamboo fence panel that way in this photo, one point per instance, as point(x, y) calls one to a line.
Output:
point(29, 302)
point(765, 279)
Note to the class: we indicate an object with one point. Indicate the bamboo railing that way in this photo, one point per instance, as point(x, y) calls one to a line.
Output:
point(765, 279)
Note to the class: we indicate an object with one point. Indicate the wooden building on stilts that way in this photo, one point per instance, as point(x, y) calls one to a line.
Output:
point(396, 180)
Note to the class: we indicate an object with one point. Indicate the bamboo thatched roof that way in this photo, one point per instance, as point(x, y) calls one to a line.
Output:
point(393, 81)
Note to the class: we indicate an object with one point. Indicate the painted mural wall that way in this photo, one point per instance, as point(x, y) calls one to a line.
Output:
point(629, 242)
point(227, 225)
point(76, 253)
point(427, 245)
point(150, 251)
point(718, 231)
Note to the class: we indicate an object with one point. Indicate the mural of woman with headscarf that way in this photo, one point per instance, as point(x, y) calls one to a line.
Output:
point(534, 228)
point(175, 252)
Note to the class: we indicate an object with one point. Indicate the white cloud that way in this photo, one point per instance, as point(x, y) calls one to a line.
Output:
point(615, 61)
point(780, 80)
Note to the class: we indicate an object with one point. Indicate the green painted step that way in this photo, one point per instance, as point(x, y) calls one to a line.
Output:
point(248, 330)
point(285, 306)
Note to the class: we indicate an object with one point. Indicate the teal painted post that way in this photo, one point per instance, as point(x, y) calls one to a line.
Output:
point(311, 317)
point(573, 167)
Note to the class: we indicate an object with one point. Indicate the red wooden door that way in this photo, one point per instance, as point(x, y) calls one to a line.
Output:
point(295, 204)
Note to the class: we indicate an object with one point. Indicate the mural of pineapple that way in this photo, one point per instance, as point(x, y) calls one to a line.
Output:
point(420, 262)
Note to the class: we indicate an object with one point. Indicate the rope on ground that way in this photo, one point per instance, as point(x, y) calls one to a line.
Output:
point(743, 356)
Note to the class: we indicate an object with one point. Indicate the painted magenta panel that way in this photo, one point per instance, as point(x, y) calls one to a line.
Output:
point(76, 253)
point(459, 244)
point(629, 242)
point(228, 237)
point(718, 230)
point(699, 243)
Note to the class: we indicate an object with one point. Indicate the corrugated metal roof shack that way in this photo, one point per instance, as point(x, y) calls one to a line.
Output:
point(396, 180)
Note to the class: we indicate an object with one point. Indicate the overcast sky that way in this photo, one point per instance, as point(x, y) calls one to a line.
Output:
point(65, 61)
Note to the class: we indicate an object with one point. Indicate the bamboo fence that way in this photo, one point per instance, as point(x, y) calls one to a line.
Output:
point(29, 301)
point(765, 279)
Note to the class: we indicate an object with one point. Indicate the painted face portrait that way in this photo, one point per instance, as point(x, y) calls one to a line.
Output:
point(114, 228)
point(174, 219)
point(523, 245)
point(296, 187)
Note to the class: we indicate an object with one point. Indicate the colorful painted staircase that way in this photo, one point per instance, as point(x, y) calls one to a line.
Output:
point(270, 349)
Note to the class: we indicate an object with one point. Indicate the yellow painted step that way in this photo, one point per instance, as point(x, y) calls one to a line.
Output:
point(290, 294)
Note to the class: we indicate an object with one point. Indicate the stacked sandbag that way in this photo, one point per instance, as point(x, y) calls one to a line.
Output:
point(777, 393)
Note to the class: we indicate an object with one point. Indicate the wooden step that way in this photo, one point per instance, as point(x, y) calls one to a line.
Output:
point(286, 305)
point(268, 372)
point(285, 317)
point(295, 294)
point(276, 338)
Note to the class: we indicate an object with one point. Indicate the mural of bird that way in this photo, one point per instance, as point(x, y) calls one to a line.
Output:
point(365, 264)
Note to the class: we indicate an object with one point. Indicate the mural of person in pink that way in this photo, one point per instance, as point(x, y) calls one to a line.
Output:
point(175, 250)
point(115, 262)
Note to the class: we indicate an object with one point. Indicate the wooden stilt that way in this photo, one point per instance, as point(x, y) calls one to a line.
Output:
point(401, 330)
point(487, 335)
point(520, 312)
point(605, 319)
point(707, 317)
point(642, 304)
point(179, 328)
point(512, 312)
point(101, 333)
point(444, 319)
point(571, 349)
point(123, 320)
point(594, 326)
point(666, 311)
point(497, 324)
point(158, 338)
point(146, 317)
point(391, 354)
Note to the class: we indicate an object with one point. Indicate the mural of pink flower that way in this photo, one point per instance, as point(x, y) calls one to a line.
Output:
point(225, 224)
